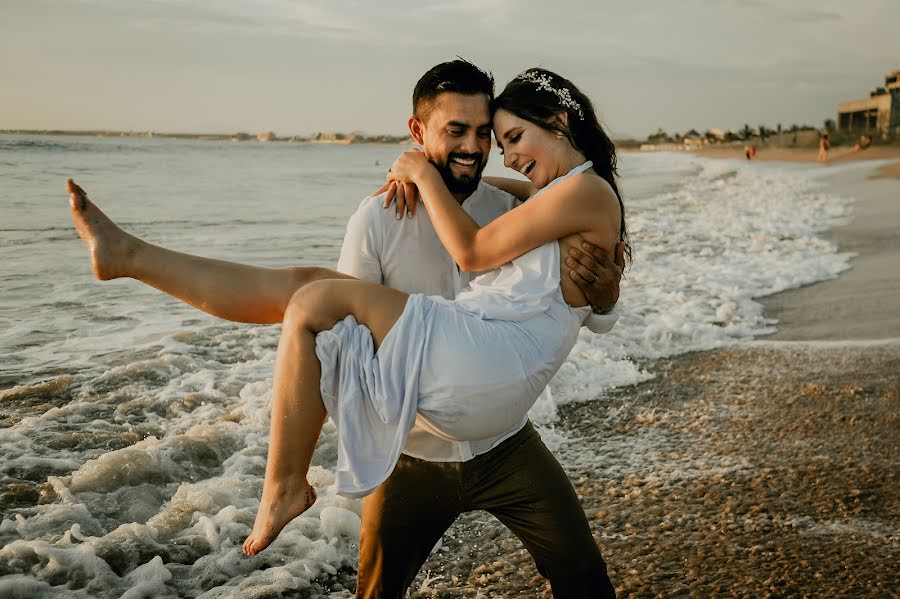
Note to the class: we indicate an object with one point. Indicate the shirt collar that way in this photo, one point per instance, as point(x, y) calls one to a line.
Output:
point(476, 195)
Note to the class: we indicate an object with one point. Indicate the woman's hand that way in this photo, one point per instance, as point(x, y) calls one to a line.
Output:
point(400, 188)
point(402, 195)
point(410, 167)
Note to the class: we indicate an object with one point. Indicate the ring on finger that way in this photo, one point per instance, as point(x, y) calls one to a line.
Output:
point(593, 278)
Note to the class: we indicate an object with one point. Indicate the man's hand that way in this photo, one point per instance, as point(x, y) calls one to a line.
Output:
point(596, 274)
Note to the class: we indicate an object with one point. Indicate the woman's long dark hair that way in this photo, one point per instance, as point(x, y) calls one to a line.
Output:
point(528, 97)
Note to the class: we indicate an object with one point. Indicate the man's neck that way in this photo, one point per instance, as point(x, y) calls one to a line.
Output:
point(461, 197)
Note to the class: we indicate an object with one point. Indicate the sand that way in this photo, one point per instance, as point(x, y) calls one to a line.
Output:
point(837, 155)
point(888, 171)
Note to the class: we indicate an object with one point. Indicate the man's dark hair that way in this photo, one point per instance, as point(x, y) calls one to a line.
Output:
point(460, 76)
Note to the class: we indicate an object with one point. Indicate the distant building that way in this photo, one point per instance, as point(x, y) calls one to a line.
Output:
point(879, 114)
point(692, 140)
point(331, 137)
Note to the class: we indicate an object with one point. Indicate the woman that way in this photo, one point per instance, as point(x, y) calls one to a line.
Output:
point(824, 147)
point(504, 337)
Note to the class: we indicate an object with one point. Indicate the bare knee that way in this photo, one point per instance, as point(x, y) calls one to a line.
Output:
point(313, 306)
point(294, 278)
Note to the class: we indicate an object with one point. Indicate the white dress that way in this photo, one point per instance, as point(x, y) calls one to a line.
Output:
point(472, 366)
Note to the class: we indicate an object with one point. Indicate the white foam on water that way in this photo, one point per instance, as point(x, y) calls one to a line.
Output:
point(702, 253)
point(150, 470)
point(166, 516)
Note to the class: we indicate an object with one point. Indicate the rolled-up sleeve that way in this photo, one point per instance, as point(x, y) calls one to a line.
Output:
point(361, 250)
point(602, 323)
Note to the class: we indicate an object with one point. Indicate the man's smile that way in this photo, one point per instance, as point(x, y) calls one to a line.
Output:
point(468, 163)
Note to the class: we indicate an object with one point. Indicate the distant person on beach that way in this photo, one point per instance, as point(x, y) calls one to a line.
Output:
point(471, 366)
point(824, 146)
point(864, 142)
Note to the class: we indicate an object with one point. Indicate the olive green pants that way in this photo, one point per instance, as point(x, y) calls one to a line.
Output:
point(519, 482)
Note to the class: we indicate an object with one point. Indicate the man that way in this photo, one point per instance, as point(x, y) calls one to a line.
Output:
point(513, 476)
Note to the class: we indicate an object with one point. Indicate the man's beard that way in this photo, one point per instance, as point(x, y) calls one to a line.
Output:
point(456, 185)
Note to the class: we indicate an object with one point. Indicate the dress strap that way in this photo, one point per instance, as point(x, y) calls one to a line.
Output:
point(575, 171)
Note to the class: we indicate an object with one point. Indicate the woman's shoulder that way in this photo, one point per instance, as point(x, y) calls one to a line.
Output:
point(589, 186)
point(593, 199)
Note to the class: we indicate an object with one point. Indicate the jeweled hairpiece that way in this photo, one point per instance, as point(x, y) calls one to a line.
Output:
point(543, 81)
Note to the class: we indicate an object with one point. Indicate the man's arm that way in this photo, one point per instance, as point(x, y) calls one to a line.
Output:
point(361, 250)
point(522, 190)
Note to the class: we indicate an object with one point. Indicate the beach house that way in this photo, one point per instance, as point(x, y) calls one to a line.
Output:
point(879, 114)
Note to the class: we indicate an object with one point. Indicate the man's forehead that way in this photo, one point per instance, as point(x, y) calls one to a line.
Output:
point(472, 109)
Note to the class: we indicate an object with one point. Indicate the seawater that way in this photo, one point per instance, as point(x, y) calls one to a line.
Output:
point(133, 428)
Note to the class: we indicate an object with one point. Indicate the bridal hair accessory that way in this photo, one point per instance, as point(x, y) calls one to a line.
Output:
point(542, 80)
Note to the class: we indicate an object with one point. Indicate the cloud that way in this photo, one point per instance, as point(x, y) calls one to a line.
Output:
point(316, 18)
point(814, 16)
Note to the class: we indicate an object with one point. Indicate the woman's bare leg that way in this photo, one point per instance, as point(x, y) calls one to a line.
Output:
point(228, 290)
point(297, 409)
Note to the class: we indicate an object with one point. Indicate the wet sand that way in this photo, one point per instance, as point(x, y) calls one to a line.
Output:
point(888, 171)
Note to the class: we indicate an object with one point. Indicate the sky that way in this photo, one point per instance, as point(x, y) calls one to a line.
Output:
point(302, 66)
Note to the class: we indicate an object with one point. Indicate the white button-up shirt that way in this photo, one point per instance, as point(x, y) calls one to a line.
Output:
point(407, 254)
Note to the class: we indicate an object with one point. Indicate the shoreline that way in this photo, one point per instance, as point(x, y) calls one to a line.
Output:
point(837, 155)
point(861, 303)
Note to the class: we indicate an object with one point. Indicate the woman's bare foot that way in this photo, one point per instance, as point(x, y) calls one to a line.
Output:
point(277, 507)
point(109, 246)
